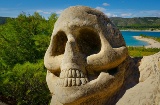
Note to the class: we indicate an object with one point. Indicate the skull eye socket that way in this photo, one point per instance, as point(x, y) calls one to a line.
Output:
point(59, 43)
point(88, 42)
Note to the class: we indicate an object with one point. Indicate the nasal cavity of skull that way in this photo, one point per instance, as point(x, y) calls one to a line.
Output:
point(88, 41)
point(59, 43)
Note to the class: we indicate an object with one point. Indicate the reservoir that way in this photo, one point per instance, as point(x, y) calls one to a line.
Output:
point(130, 41)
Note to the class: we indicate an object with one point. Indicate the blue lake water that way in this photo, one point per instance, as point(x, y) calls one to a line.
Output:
point(130, 41)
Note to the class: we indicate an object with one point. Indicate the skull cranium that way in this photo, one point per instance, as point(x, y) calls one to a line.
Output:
point(84, 46)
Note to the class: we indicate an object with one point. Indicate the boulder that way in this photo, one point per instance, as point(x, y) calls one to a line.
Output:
point(87, 63)
point(147, 90)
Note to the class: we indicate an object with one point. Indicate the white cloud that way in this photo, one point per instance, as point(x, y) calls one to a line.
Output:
point(155, 13)
point(105, 4)
point(109, 12)
point(44, 12)
point(59, 12)
point(39, 11)
point(126, 14)
point(101, 9)
point(111, 15)
point(49, 11)
point(14, 12)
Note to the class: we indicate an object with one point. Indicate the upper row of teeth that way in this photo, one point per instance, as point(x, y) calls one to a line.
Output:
point(72, 77)
point(71, 73)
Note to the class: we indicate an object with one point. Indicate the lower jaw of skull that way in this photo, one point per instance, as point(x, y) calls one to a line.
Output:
point(68, 86)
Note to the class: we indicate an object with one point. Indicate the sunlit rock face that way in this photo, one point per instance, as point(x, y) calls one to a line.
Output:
point(86, 59)
point(147, 90)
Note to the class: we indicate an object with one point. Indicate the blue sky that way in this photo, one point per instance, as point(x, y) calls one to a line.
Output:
point(112, 8)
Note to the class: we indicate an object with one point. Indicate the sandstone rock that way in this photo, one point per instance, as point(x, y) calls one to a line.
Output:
point(88, 64)
point(147, 91)
point(86, 59)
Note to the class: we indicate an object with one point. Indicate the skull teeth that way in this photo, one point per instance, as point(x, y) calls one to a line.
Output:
point(71, 74)
point(68, 82)
point(70, 78)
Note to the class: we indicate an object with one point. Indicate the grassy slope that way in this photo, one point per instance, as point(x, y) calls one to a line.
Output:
point(141, 51)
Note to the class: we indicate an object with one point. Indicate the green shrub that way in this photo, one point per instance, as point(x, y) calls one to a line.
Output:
point(26, 84)
point(142, 51)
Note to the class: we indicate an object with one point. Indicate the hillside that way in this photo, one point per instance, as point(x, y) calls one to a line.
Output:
point(137, 22)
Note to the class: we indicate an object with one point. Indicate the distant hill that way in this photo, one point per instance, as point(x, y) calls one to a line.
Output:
point(137, 22)
point(3, 20)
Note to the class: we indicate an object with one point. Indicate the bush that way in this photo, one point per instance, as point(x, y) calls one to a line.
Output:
point(26, 84)
point(142, 51)
point(23, 39)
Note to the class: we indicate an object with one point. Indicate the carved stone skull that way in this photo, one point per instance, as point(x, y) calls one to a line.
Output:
point(83, 57)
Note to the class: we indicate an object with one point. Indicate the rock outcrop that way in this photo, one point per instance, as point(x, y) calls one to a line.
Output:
point(147, 90)
point(87, 63)
point(86, 59)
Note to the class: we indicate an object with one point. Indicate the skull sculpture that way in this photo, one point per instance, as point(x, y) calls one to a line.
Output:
point(85, 46)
